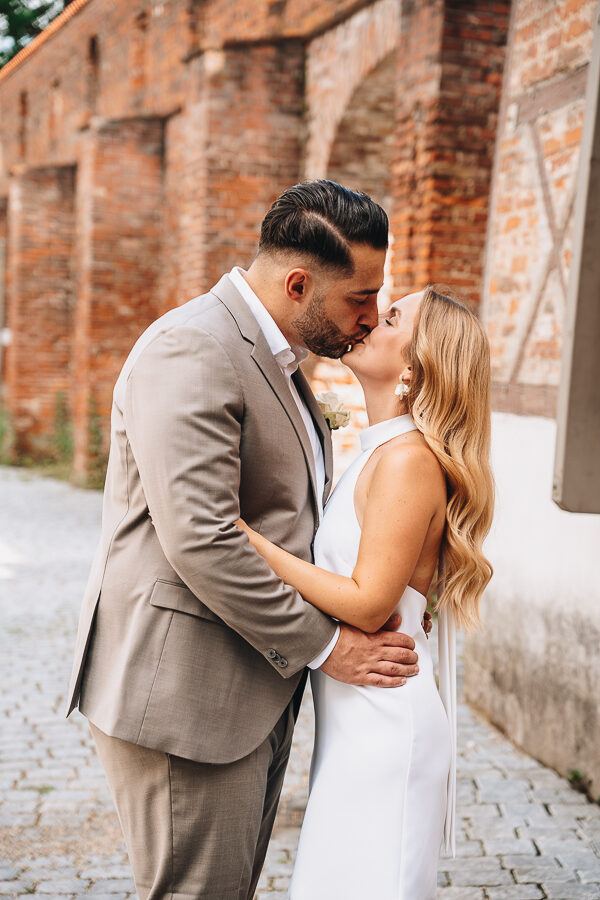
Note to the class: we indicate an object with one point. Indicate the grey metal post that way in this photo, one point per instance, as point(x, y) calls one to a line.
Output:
point(577, 459)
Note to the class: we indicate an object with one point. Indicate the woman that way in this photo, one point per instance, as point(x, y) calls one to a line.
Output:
point(418, 499)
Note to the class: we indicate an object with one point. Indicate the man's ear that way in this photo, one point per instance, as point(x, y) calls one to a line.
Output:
point(298, 284)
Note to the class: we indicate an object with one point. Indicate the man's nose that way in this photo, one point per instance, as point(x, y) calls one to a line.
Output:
point(370, 315)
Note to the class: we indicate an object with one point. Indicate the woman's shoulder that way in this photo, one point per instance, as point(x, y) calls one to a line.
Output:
point(409, 456)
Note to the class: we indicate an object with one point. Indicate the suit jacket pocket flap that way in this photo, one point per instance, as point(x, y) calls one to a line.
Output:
point(178, 597)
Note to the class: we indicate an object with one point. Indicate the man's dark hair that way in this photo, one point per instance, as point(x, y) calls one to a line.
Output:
point(322, 218)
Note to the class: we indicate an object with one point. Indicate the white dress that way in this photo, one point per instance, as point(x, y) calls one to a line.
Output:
point(382, 775)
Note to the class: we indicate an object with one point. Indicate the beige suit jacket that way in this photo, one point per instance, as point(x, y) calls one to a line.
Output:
point(188, 642)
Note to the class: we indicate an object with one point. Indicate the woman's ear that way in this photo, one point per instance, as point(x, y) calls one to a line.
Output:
point(403, 386)
point(406, 375)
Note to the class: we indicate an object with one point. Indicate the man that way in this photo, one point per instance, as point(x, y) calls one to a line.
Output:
point(191, 655)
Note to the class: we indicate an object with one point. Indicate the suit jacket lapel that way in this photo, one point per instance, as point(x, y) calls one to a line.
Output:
point(266, 362)
point(261, 353)
point(321, 425)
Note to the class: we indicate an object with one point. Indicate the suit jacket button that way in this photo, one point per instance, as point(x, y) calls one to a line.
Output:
point(272, 654)
point(282, 662)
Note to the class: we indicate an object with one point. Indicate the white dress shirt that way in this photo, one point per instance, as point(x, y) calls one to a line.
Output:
point(288, 358)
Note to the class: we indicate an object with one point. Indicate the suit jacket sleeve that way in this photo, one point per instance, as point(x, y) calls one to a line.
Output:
point(183, 413)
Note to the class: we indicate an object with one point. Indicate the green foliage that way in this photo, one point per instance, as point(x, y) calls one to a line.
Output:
point(97, 457)
point(22, 20)
point(95, 430)
point(53, 456)
point(580, 782)
point(41, 789)
point(6, 437)
point(63, 429)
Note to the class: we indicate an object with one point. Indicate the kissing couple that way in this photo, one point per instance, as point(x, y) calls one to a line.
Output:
point(224, 572)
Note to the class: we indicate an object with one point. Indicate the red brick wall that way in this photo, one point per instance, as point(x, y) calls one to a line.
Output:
point(40, 304)
point(118, 258)
point(138, 69)
point(450, 63)
point(178, 155)
point(254, 98)
point(185, 178)
point(232, 149)
point(142, 53)
point(181, 122)
point(225, 22)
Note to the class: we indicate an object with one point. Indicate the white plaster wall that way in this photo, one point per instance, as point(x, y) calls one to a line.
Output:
point(535, 547)
point(535, 670)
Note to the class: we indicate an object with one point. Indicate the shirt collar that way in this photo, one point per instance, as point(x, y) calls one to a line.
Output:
point(288, 358)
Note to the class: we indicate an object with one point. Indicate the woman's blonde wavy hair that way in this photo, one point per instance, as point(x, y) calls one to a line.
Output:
point(449, 400)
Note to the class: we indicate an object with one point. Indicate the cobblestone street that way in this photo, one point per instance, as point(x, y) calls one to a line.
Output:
point(523, 833)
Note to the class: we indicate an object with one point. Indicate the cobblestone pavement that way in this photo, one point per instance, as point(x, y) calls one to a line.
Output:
point(523, 832)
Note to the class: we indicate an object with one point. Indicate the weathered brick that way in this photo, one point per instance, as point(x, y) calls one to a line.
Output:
point(140, 150)
point(529, 238)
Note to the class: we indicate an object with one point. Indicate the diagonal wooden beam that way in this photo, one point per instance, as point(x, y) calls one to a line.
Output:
point(557, 233)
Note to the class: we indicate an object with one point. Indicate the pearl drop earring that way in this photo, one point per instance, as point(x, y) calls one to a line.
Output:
point(402, 389)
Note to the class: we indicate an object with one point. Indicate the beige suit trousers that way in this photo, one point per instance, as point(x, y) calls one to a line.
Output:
point(196, 830)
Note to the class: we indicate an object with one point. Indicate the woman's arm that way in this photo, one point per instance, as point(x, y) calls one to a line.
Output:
point(403, 496)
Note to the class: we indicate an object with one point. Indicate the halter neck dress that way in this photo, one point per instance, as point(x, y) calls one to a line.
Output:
point(382, 782)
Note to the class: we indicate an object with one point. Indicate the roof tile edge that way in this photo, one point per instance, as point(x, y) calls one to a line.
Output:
point(71, 10)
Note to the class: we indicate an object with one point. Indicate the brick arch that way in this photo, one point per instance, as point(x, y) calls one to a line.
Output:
point(362, 149)
point(337, 64)
point(363, 146)
point(360, 156)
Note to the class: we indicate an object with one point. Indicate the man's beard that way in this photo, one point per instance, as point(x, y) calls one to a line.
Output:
point(319, 333)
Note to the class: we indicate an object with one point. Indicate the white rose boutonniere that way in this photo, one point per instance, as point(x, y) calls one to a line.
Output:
point(333, 409)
